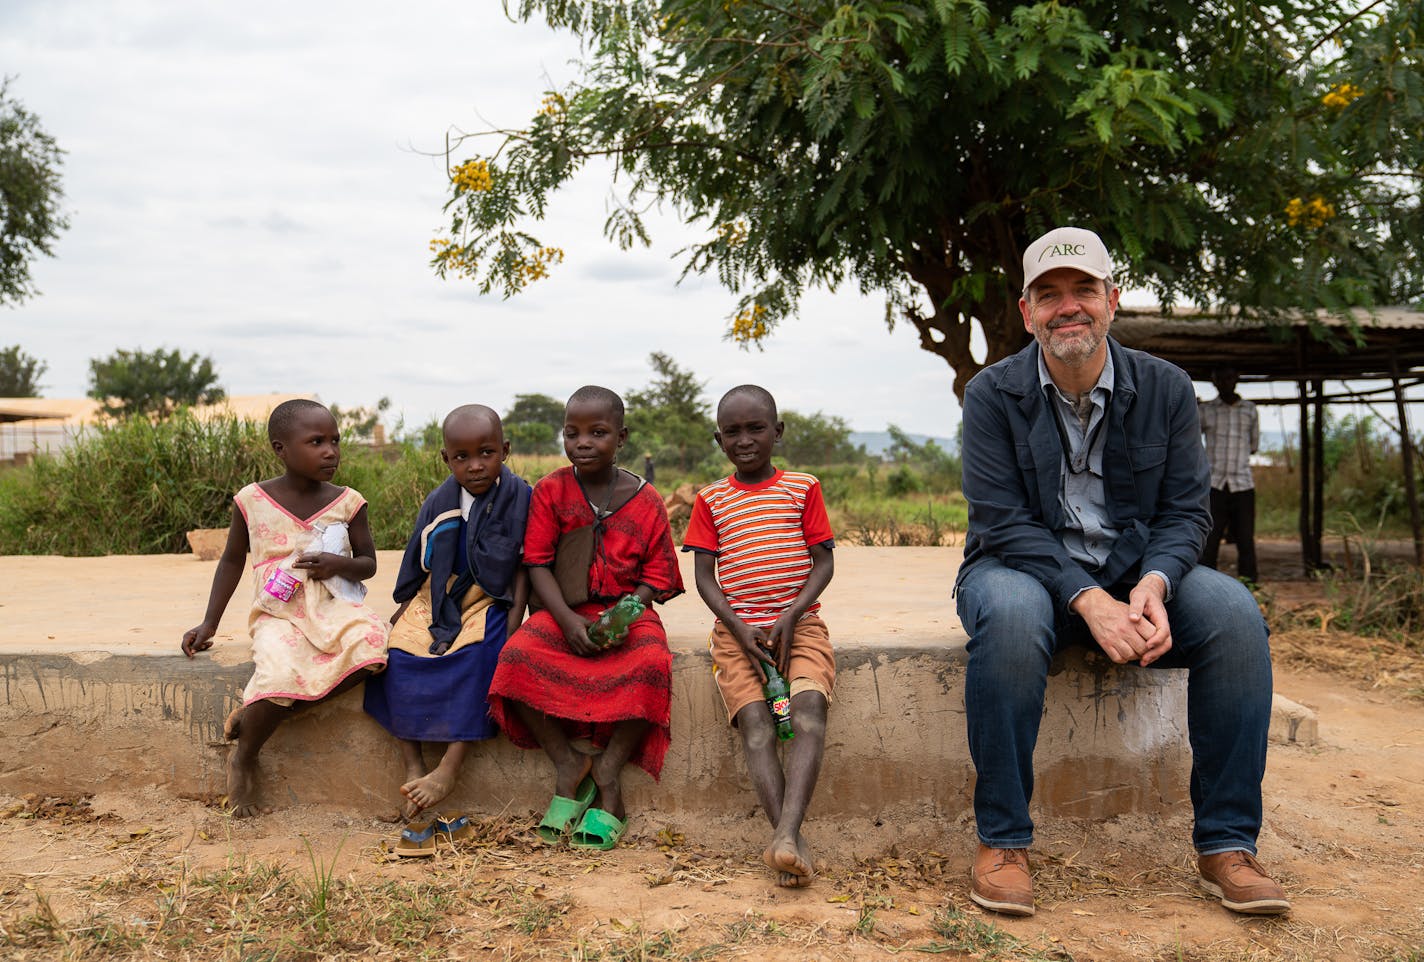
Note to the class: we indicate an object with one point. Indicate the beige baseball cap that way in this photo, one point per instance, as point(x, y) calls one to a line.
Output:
point(1067, 247)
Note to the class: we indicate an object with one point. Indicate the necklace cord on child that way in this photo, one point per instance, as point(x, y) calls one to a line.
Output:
point(598, 512)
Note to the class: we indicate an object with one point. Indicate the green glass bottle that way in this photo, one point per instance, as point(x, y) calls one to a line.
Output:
point(778, 698)
point(613, 624)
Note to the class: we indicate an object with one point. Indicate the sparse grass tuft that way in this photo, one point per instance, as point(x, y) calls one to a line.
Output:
point(490, 896)
point(978, 939)
point(319, 889)
point(1367, 628)
point(631, 945)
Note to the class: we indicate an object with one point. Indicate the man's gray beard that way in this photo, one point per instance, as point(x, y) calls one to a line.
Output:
point(1074, 353)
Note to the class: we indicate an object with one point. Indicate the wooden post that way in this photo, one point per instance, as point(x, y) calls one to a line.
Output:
point(1305, 459)
point(1406, 452)
point(1305, 462)
point(1318, 506)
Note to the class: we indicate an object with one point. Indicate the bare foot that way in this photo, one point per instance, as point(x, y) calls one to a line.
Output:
point(790, 855)
point(241, 801)
point(790, 880)
point(610, 792)
point(568, 775)
point(232, 725)
point(409, 807)
point(427, 790)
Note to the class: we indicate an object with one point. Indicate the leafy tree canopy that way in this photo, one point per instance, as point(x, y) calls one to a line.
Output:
point(30, 215)
point(1251, 157)
point(152, 383)
point(904, 449)
point(817, 439)
point(534, 422)
point(359, 423)
point(670, 419)
point(19, 373)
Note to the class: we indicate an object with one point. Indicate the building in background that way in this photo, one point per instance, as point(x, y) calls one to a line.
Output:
point(36, 425)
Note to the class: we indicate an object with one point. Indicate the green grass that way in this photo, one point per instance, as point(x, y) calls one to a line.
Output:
point(975, 938)
point(916, 519)
point(138, 487)
point(1359, 493)
point(1383, 602)
point(131, 488)
point(319, 889)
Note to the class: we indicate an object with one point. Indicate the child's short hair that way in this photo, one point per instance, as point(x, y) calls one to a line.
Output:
point(593, 394)
point(465, 411)
point(284, 415)
point(754, 391)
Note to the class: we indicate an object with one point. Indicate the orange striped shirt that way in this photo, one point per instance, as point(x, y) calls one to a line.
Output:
point(761, 535)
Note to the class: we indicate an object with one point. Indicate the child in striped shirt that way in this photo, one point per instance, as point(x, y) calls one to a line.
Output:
point(763, 556)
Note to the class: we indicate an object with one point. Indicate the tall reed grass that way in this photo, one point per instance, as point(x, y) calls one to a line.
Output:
point(138, 487)
point(132, 487)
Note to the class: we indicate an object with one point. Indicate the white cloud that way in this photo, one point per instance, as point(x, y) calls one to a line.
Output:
point(254, 182)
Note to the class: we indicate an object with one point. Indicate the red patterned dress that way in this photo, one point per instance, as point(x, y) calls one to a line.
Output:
point(633, 680)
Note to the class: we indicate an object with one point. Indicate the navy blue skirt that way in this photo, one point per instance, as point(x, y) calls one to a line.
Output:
point(442, 699)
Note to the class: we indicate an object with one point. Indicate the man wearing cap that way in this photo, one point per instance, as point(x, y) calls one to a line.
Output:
point(1088, 492)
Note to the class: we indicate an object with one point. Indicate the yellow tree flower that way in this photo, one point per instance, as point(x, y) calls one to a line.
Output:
point(472, 175)
point(733, 232)
point(749, 325)
point(535, 266)
point(1340, 95)
point(554, 105)
point(451, 258)
point(1312, 214)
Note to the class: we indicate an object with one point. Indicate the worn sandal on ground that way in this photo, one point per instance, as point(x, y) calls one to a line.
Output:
point(564, 813)
point(598, 830)
point(455, 829)
point(417, 840)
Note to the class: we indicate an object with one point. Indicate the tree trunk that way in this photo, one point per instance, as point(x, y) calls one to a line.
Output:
point(947, 331)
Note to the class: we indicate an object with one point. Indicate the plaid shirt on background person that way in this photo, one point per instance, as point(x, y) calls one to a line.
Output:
point(1232, 433)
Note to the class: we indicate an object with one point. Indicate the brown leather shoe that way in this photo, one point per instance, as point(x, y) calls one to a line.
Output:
point(1001, 882)
point(1242, 884)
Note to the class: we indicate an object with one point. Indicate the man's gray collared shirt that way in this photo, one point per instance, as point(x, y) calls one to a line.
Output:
point(1087, 533)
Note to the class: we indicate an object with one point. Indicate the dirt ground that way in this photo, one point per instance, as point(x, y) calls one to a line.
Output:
point(139, 876)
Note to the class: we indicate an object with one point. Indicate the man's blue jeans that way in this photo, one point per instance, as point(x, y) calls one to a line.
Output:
point(1218, 635)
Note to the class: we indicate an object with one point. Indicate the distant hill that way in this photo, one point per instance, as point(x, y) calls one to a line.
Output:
point(876, 442)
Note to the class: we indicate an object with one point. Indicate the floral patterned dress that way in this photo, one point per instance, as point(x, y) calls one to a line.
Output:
point(303, 646)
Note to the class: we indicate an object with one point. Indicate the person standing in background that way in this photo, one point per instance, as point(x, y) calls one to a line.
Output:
point(1233, 432)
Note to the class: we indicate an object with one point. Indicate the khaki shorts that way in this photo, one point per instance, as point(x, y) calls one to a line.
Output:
point(812, 668)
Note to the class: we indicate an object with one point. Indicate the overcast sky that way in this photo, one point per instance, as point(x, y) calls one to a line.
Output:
point(253, 182)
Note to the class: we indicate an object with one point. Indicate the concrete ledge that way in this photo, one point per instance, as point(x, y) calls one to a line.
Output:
point(77, 718)
point(1293, 724)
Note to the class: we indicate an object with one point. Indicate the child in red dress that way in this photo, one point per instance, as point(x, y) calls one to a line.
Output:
point(553, 684)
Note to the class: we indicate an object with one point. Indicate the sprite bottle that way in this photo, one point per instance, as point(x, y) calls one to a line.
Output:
point(778, 698)
point(612, 625)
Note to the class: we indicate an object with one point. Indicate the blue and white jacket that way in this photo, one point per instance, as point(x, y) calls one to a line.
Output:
point(494, 547)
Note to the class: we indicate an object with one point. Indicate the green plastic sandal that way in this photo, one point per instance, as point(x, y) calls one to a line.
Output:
point(564, 813)
point(598, 830)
